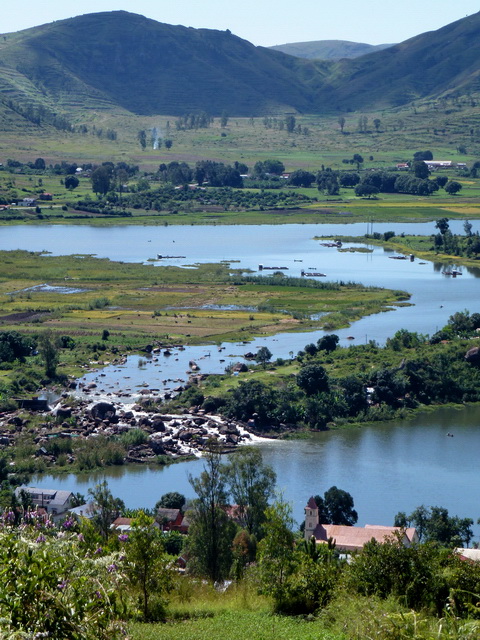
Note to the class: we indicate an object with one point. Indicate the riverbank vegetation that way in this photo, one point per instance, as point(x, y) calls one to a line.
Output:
point(326, 387)
point(97, 309)
point(443, 247)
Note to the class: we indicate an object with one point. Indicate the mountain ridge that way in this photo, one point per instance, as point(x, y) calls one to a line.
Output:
point(328, 49)
point(123, 61)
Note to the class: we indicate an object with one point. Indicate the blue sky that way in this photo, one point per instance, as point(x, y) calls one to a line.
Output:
point(264, 22)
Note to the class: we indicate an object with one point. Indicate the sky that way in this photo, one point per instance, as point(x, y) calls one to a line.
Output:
point(264, 22)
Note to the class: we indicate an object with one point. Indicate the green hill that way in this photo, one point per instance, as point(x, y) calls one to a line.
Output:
point(328, 49)
point(119, 59)
point(119, 62)
point(436, 63)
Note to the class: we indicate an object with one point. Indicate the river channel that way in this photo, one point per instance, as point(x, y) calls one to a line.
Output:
point(387, 467)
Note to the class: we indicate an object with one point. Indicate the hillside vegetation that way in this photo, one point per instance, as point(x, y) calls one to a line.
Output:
point(122, 62)
point(119, 59)
point(328, 49)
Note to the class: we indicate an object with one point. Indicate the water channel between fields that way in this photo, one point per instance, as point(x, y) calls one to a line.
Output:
point(387, 467)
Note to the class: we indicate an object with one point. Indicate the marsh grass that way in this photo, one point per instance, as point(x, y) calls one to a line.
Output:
point(137, 303)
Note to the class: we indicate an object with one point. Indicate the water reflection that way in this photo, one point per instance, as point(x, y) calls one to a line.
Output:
point(387, 467)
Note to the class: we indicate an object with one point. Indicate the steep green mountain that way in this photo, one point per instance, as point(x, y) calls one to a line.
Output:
point(328, 49)
point(121, 62)
point(432, 64)
point(122, 59)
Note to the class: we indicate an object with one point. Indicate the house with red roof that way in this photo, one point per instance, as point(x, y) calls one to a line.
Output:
point(347, 538)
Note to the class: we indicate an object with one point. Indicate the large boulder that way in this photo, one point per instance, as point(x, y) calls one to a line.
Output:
point(63, 412)
point(473, 356)
point(158, 424)
point(240, 367)
point(103, 411)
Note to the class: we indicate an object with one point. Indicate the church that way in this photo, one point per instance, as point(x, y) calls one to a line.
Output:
point(348, 539)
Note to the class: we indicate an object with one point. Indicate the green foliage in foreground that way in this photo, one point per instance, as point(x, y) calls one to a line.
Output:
point(236, 625)
point(70, 583)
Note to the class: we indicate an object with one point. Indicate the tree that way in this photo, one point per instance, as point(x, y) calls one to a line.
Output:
point(211, 532)
point(442, 225)
point(301, 178)
point(313, 378)
point(276, 558)
point(341, 122)
point(251, 484)
point(244, 551)
point(328, 343)
point(364, 190)
point(105, 508)
point(377, 123)
point(441, 180)
point(49, 351)
point(349, 179)
point(142, 138)
point(39, 164)
point(422, 155)
point(146, 565)
point(421, 169)
point(338, 505)
point(290, 123)
point(263, 356)
point(269, 166)
point(171, 500)
point(13, 346)
point(433, 524)
point(71, 182)
point(168, 143)
point(358, 159)
point(452, 187)
point(224, 119)
point(467, 227)
point(327, 181)
point(101, 179)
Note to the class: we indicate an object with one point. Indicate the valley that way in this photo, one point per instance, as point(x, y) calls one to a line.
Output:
point(204, 244)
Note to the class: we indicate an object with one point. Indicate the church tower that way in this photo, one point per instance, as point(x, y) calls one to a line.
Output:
point(311, 518)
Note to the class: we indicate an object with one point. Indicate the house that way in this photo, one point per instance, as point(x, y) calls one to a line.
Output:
point(55, 502)
point(438, 164)
point(473, 555)
point(82, 511)
point(172, 520)
point(347, 538)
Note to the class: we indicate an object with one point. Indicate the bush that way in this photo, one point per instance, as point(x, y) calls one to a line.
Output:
point(133, 438)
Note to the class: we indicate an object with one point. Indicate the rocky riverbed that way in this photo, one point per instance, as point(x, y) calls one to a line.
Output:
point(172, 436)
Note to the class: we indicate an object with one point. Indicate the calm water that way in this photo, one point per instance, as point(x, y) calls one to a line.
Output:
point(387, 467)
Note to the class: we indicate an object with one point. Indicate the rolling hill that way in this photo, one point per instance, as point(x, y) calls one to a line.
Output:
point(328, 49)
point(122, 62)
point(436, 63)
point(119, 59)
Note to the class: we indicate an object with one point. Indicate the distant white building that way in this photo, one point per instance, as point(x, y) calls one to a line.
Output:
point(439, 164)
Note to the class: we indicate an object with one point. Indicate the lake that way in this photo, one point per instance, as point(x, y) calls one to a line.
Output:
point(386, 467)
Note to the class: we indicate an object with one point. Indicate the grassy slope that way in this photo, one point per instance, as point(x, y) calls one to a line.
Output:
point(433, 63)
point(328, 49)
point(148, 67)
